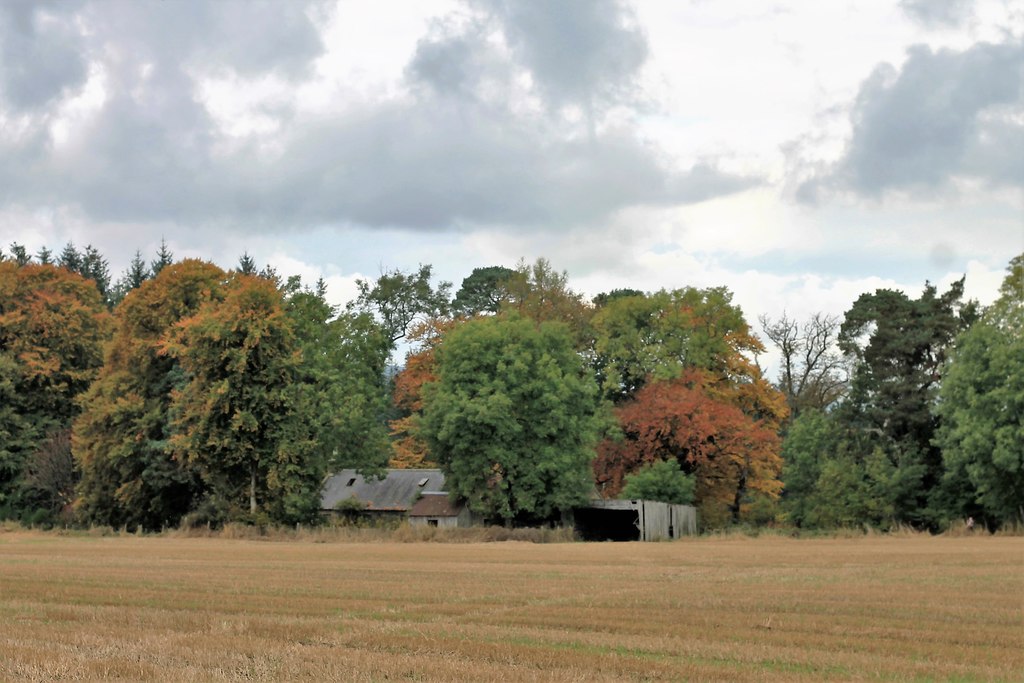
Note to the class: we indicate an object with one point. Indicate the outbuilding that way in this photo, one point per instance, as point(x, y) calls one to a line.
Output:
point(393, 495)
point(437, 509)
point(634, 520)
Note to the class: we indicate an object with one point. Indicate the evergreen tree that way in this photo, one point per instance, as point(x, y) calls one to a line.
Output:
point(70, 259)
point(94, 267)
point(898, 347)
point(164, 258)
point(246, 264)
point(20, 254)
point(132, 278)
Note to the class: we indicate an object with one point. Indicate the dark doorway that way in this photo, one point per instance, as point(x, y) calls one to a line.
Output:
point(597, 524)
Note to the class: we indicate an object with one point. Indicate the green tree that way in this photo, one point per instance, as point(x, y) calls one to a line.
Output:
point(246, 264)
point(132, 278)
point(511, 418)
point(164, 258)
point(657, 336)
point(482, 291)
point(400, 299)
point(981, 409)
point(898, 347)
point(70, 259)
point(604, 298)
point(237, 418)
point(662, 480)
point(94, 267)
point(345, 396)
point(811, 441)
point(20, 255)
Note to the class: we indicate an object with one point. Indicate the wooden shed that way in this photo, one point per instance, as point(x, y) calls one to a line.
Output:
point(437, 509)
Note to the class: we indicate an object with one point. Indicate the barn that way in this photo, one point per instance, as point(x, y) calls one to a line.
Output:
point(393, 495)
point(437, 509)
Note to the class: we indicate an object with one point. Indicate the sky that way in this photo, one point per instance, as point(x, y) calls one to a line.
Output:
point(799, 153)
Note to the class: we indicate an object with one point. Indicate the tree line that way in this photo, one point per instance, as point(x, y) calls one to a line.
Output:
point(185, 393)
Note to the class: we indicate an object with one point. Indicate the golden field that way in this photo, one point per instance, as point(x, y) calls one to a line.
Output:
point(166, 608)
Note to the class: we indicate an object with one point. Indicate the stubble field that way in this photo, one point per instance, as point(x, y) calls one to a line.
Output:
point(873, 608)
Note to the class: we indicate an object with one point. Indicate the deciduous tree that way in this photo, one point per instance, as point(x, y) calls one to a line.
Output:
point(542, 294)
point(663, 481)
point(129, 473)
point(732, 455)
point(813, 375)
point(345, 397)
point(53, 326)
point(236, 417)
point(399, 299)
point(981, 408)
point(658, 336)
point(511, 418)
point(410, 450)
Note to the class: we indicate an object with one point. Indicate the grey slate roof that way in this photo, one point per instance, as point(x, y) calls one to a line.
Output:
point(396, 492)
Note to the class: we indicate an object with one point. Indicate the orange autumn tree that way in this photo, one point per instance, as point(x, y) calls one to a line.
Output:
point(130, 476)
point(409, 451)
point(730, 453)
point(53, 326)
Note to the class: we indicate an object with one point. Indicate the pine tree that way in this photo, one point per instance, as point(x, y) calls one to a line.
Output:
point(19, 254)
point(246, 264)
point(70, 259)
point(94, 267)
point(132, 278)
point(164, 258)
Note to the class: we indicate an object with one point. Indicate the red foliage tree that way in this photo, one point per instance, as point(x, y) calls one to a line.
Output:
point(732, 454)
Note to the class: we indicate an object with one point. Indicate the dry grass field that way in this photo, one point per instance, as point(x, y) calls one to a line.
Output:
point(872, 608)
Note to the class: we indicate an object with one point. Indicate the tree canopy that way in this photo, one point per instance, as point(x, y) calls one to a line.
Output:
point(981, 409)
point(511, 418)
point(53, 325)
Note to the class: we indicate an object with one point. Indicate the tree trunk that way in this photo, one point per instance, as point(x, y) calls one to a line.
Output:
point(252, 490)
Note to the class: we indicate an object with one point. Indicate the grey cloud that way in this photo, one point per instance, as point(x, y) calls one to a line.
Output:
point(455, 151)
point(419, 164)
point(41, 53)
point(250, 37)
point(457, 63)
point(932, 13)
point(585, 52)
point(944, 114)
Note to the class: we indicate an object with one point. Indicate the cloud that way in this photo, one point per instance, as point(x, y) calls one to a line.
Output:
point(939, 13)
point(583, 52)
point(41, 53)
point(945, 114)
point(476, 134)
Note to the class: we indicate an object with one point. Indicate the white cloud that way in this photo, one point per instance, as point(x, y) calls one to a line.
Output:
point(336, 139)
